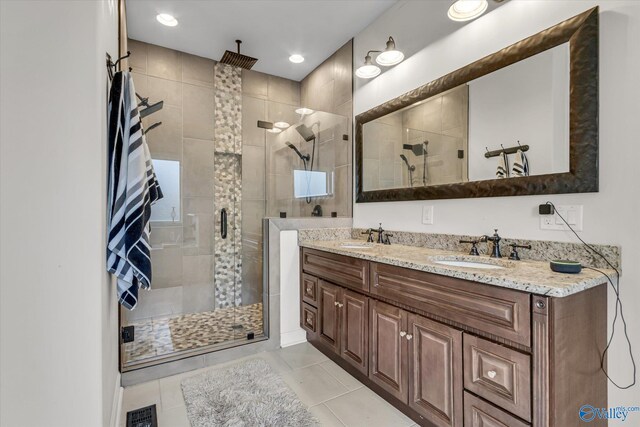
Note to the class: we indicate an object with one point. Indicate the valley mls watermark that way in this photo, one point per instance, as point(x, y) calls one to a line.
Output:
point(588, 413)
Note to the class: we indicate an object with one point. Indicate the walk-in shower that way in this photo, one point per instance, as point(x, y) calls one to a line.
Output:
point(221, 176)
point(207, 288)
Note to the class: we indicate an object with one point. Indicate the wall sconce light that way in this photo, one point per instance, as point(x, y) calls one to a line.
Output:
point(368, 70)
point(388, 57)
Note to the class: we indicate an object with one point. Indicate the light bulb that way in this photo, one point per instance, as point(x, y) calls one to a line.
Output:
point(466, 10)
point(166, 19)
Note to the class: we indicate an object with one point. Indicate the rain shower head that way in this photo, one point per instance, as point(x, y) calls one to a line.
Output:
point(303, 157)
point(417, 149)
point(151, 109)
point(306, 133)
point(237, 59)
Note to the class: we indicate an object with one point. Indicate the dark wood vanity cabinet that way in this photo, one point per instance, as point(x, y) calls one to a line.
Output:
point(450, 352)
point(388, 350)
point(342, 321)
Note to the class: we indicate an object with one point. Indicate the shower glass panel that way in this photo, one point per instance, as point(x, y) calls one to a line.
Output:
point(309, 167)
point(206, 234)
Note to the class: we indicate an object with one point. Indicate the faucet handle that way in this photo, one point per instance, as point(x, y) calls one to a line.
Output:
point(474, 248)
point(370, 235)
point(514, 251)
point(386, 240)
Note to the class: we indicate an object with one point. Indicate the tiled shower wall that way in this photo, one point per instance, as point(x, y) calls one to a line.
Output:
point(441, 121)
point(329, 88)
point(182, 254)
point(228, 185)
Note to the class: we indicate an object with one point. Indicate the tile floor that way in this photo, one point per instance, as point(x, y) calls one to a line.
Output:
point(169, 335)
point(332, 395)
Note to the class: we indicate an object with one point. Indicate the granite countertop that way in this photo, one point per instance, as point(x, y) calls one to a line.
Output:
point(525, 275)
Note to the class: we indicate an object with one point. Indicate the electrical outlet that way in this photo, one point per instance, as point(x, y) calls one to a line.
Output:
point(571, 213)
point(427, 215)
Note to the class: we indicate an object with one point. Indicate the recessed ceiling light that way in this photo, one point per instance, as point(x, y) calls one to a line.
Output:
point(466, 10)
point(390, 56)
point(281, 125)
point(274, 130)
point(368, 70)
point(304, 111)
point(166, 19)
point(296, 59)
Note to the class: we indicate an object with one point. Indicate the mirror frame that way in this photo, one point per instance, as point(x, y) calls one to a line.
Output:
point(582, 33)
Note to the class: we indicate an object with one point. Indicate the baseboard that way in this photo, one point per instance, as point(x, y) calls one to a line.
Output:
point(116, 407)
point(292, 338)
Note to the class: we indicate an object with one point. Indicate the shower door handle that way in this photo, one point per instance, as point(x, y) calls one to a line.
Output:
point(223, 223)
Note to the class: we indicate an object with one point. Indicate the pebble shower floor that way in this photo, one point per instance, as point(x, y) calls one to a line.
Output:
point(167, 335)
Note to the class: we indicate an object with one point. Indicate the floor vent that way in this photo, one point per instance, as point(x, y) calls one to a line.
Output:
point(143, 417)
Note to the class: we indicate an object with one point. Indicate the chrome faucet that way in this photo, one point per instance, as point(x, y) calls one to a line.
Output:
point(495, 251)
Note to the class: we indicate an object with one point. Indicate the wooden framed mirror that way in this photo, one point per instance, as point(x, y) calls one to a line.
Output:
point(447, 138)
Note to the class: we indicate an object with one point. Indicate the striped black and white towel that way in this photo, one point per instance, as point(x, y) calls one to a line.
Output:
point(520, 164)
point(133, 188)
point(503, 166)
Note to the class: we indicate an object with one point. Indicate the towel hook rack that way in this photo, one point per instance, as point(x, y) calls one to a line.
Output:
point(509, 150)
point(112, 67)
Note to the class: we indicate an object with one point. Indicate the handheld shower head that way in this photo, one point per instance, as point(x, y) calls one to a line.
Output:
point(304, 157)
point(410, 167)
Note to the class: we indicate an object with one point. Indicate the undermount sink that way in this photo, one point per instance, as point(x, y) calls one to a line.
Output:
point(469, 264)
point(352, 245)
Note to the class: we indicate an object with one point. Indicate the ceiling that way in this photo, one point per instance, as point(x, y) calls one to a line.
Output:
point(271, 30)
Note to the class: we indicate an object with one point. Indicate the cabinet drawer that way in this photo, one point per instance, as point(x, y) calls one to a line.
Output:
point(341, 270)
point(309, 319)
point(478, 413)
point(309, 290)
point(498, 374)
point(502, 312)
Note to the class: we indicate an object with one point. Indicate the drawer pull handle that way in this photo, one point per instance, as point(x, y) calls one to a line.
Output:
point(491, 374)
point(403, 333)
point(409, 336)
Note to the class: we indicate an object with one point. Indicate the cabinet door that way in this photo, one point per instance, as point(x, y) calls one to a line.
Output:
point(354, 319)
point(435, 369)
point(388, 349)
point(329, 315)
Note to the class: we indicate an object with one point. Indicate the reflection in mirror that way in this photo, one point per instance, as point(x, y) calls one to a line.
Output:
point(167, 209)
point(527, 102)
point(445, 139)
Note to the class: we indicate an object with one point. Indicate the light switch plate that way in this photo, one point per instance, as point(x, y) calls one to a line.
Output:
point(571, 213)
point(427, 215)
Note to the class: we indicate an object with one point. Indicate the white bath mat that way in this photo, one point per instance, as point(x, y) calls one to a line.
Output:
point(249, 394)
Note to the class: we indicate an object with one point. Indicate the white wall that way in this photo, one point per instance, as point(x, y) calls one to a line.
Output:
point(528, 102)
point(610, 216)
point(290, 331)
point(58, 331)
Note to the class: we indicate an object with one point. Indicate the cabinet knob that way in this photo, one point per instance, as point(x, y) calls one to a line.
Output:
point(409, 336)
point(336, 303)
point(491, 374)
point(340, 305)
point(403, 333)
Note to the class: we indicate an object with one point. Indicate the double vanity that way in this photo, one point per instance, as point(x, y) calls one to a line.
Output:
point(455, 340)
